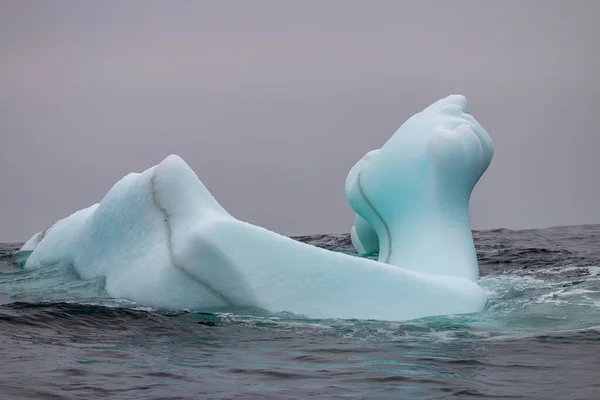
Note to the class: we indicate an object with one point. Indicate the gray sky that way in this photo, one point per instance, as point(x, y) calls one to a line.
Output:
point(272, 102)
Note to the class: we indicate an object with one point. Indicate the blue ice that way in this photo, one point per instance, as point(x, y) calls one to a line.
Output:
point(159, 237)
point(413, 193)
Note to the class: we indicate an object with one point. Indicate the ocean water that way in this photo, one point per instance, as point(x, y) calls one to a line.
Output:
point(539, 337)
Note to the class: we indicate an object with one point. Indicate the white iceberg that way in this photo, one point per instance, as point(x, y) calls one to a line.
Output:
point(159, 238)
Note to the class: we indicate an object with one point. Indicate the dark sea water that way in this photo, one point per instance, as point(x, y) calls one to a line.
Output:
point(539, 338)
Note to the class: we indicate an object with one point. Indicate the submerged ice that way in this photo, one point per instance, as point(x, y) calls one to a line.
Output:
point(159, 238)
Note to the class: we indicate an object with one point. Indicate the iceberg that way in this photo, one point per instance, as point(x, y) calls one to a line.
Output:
point(413, 193)
point(159, 238)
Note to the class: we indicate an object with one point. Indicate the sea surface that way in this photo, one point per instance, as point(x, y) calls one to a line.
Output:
point(539, 338)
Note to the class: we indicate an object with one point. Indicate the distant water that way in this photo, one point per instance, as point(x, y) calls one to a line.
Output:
point(61, 338)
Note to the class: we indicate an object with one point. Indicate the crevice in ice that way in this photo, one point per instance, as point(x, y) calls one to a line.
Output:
point(165, 215)
point(388, 237)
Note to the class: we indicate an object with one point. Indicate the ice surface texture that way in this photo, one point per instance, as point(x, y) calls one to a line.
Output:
point(413, 193)
point(159, 238)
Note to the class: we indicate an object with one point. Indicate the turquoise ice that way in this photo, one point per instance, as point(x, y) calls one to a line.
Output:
point(413, 193)
point(159, 238)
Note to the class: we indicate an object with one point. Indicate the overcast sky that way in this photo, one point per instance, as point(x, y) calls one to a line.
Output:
point(272, 102)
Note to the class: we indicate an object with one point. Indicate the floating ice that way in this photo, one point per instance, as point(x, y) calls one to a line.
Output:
point(363, 236)
point(414, 192)
point(159, 238)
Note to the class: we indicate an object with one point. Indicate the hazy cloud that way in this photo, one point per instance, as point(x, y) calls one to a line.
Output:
point(272, 102)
